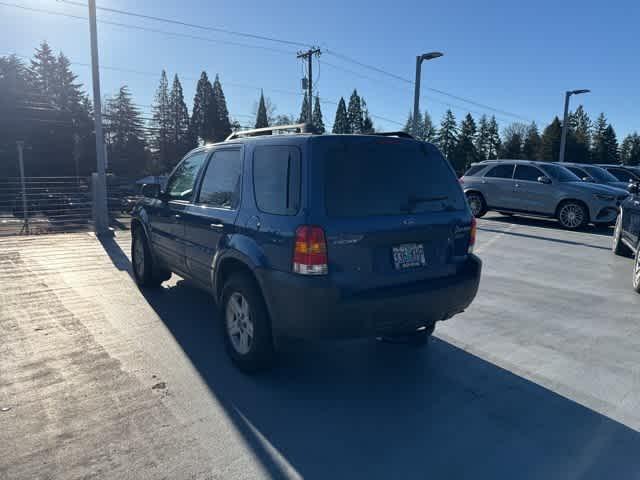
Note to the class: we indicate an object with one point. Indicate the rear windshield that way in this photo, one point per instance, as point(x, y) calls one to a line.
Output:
point(368, 177)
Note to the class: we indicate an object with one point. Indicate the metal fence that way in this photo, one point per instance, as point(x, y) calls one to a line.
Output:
point(59, 204)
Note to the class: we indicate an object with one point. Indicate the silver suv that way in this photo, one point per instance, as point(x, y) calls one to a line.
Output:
point(541, 189)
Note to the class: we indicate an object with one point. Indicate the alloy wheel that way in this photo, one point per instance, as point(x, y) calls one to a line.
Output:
point(571, 215)
point(138, 256)
point(475, 204)
point(239, 323)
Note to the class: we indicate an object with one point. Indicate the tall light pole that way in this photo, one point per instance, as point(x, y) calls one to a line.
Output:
point(565, 122)
point(101, 216)
point(416, 93)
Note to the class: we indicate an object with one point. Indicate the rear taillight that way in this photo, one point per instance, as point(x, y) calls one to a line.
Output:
point(472, 234)
point(310, 252)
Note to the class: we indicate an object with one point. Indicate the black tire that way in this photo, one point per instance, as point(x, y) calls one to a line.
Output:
point(477, 204)
point(636, 271)
point(421, 338)
point(417, 339)
point(260, 352)
point(572, 215)
point(145, 272)
point(617, 245)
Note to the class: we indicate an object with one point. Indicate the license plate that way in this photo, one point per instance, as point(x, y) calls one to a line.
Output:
point(409, 255)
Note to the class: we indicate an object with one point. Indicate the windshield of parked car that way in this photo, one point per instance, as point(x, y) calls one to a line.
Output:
point(560, 174)
point(600, 174)
point(385, 176)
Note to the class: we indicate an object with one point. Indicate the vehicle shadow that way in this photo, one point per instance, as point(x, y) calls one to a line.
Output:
point(363, 409)
point(552, 224)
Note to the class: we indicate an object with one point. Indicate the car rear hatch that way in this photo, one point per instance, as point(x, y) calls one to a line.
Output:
point(393, 212)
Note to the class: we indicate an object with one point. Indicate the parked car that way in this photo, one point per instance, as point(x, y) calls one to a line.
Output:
point(626, 237)
point(540, 189)
point(623, 173)
point(595, 174)
point(312, 236)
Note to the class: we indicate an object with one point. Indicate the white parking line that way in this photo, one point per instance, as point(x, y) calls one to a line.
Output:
point(493, 239)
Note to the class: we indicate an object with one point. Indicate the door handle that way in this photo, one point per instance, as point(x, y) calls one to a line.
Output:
point(517, 185)
point(177, 216)
point(216, 226)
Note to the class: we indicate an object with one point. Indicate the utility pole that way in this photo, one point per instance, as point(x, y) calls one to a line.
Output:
point(308, 55)
point(23, 188)
point(565, 121)
point(101, 219)
point(416, 91)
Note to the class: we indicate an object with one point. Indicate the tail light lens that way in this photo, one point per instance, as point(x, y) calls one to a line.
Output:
point(472, 234)
point(310, 252)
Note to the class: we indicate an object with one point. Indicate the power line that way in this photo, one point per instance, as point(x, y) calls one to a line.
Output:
point(148, 29)
point(187, 24)
point(411, 82)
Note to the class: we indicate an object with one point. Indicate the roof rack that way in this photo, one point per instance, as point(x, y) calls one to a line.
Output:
point(256, 132)
point(393, 134)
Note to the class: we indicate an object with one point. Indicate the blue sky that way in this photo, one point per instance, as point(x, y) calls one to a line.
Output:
point(517, 57)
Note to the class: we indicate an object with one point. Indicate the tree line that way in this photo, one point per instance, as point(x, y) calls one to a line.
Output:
point(42, 104)
point(471, 141)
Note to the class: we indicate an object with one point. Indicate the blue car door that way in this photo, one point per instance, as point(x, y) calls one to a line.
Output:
point(166, 213)
point(210, 219)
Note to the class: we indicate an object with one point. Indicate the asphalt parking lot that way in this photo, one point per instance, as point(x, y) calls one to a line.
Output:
point(540, 378)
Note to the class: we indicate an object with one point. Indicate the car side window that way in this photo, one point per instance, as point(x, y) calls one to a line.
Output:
point(221, 183)
point(621, 174)
point(276, 179)
point(527, 173)
point(578, 172)
point(501, 171)
point(180, 185)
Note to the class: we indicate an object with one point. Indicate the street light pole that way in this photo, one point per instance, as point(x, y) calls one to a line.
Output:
point(416, 91)
point(565, 121)
point(101, 222)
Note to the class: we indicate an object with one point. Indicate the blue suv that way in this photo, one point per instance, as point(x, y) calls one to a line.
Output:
point(312, 236)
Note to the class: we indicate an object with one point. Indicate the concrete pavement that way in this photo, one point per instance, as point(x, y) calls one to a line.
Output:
point(538, 379)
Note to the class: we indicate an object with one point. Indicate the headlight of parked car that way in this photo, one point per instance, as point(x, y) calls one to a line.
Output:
point(605, 197)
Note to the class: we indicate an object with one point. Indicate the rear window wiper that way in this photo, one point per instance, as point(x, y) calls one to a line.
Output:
point(414, 200)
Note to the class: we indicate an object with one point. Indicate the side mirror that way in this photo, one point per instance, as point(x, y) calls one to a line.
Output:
point(151, 190)
point(545, 180)
point(633, 188)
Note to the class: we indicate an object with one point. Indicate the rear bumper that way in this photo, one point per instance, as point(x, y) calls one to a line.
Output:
point(314, 308)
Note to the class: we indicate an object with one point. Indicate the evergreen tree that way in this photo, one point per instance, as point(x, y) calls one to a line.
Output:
point(482, 139)
point(304, 110)
point(465, 150)
point(124, 134)
point(354, 113)
point(448, 135)
point(532, 143)
point(318, 123)
point(429, 132)
point(599, 149)
point(581, 136)
point(367, 122)
point(283, 120)
point(161, 122)
point(44, 69)
point(261, 118)
point(611, 145)
point(180, 139)
point(493, 142)
point(419, 133)
point(630, 150)
point(341, 123)
point(550, 141)
point(219, 113)
point(201, 116)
